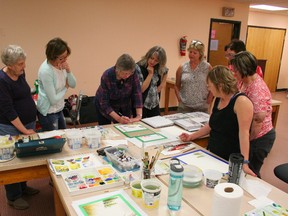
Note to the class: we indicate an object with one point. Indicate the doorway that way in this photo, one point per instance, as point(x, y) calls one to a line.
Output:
point(267, 44)
point(221, 33)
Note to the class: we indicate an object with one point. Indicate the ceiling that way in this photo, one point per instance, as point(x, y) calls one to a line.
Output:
point(279, 3)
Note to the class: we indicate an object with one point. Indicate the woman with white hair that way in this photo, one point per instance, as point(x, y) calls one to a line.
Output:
point(17, 112)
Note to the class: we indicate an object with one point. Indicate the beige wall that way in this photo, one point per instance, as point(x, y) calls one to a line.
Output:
point(274, 21)
point(98, 31)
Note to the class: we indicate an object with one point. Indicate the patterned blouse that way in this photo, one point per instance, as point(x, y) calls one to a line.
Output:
point(260, 95)
point(193, 90)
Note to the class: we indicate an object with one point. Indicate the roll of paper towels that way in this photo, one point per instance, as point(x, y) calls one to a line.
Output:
point(226, 200)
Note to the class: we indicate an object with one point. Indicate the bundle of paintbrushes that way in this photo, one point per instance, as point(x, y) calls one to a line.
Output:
point(149, 163)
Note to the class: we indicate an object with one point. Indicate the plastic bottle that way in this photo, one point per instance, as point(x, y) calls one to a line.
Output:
point(175, 185)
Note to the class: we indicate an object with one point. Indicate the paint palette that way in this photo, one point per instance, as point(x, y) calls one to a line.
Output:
point(92, 179)
point(64, 165)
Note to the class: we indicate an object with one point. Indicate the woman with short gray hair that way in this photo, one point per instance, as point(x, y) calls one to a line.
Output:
point(119, 93)
point(17, 112)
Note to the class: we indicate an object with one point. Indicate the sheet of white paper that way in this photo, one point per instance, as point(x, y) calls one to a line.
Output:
point(138, 143)
point(108, 133)
point(97, 205)
point(115, 142)
point(256, 188)
point(173, 131)
point(261, 202)
point(161, 167)
point(204, 160)
point(50, 134)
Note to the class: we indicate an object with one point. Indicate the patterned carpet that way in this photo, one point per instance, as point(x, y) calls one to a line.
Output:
point(40, 204)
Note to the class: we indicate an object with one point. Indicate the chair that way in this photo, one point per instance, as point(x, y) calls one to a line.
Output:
point(281, 171)
point(74, 113)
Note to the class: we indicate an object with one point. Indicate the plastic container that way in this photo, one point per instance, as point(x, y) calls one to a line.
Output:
point(121, 158)
point(212, 177)
point(192, 176)
point(7, 146)
point(151, 190)
point(74, 139)
point(136, 188)
point(92, 138)
point(175, 186)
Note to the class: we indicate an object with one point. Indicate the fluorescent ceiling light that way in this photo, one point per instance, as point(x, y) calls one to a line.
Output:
point(268, 7)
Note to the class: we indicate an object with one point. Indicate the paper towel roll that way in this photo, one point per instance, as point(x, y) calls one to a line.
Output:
point(227, 199)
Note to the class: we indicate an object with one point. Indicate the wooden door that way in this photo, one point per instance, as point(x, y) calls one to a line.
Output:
point(221, 35)
point(267, 43)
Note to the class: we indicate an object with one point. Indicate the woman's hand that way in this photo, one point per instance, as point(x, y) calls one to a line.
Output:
point(150, 70)
point(247, 170)
point(65, 66)
point(29, 132)
point(136, 119)
point(124, 120)
point(185, 137)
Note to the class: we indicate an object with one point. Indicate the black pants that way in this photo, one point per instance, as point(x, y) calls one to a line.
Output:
point(150, 113)
point(259, 149)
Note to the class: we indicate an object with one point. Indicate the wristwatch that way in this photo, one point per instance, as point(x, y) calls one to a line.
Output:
point(246, 161)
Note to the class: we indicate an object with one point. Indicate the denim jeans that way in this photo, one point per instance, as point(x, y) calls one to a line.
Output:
point(53, 121)
point(14, 191)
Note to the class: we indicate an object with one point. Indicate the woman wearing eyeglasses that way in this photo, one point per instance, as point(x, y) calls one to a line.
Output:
point(152, 75)
point(262, 134)
point(234, 47)
point(191, 89)
point(54, 77)
point(119, 93)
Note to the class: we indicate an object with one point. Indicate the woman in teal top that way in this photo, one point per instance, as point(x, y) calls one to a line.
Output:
point(55, 77)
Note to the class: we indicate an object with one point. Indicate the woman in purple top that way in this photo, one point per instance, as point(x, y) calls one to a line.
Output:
point(17, 112)
point(119, 93)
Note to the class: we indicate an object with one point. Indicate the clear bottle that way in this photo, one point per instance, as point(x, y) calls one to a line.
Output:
point(175, 185)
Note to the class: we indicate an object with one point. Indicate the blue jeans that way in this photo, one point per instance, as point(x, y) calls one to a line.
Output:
point(53, 121)
point(14, 191)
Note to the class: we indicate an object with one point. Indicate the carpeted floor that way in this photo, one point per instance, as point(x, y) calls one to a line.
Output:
point(40, 204)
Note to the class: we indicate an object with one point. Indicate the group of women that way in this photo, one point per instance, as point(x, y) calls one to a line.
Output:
point(18, 109)
point(237, 98)
point(241, 112)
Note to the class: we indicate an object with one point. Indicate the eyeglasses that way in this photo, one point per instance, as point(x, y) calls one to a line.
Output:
point(229, 55)
point(61, 58)
point(127, 73)
point(196, 43)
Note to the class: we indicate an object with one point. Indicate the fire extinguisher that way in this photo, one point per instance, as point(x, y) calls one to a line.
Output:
point(183, 42)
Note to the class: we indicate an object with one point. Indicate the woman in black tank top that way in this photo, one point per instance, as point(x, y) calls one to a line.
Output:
point(230, 117)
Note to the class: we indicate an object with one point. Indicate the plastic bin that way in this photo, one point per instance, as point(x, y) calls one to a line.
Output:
point(92, 138)
point(74, 139)
point(121, 158)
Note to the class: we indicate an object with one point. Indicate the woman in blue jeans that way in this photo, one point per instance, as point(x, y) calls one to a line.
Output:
point(17, 112)
point(55, 77)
